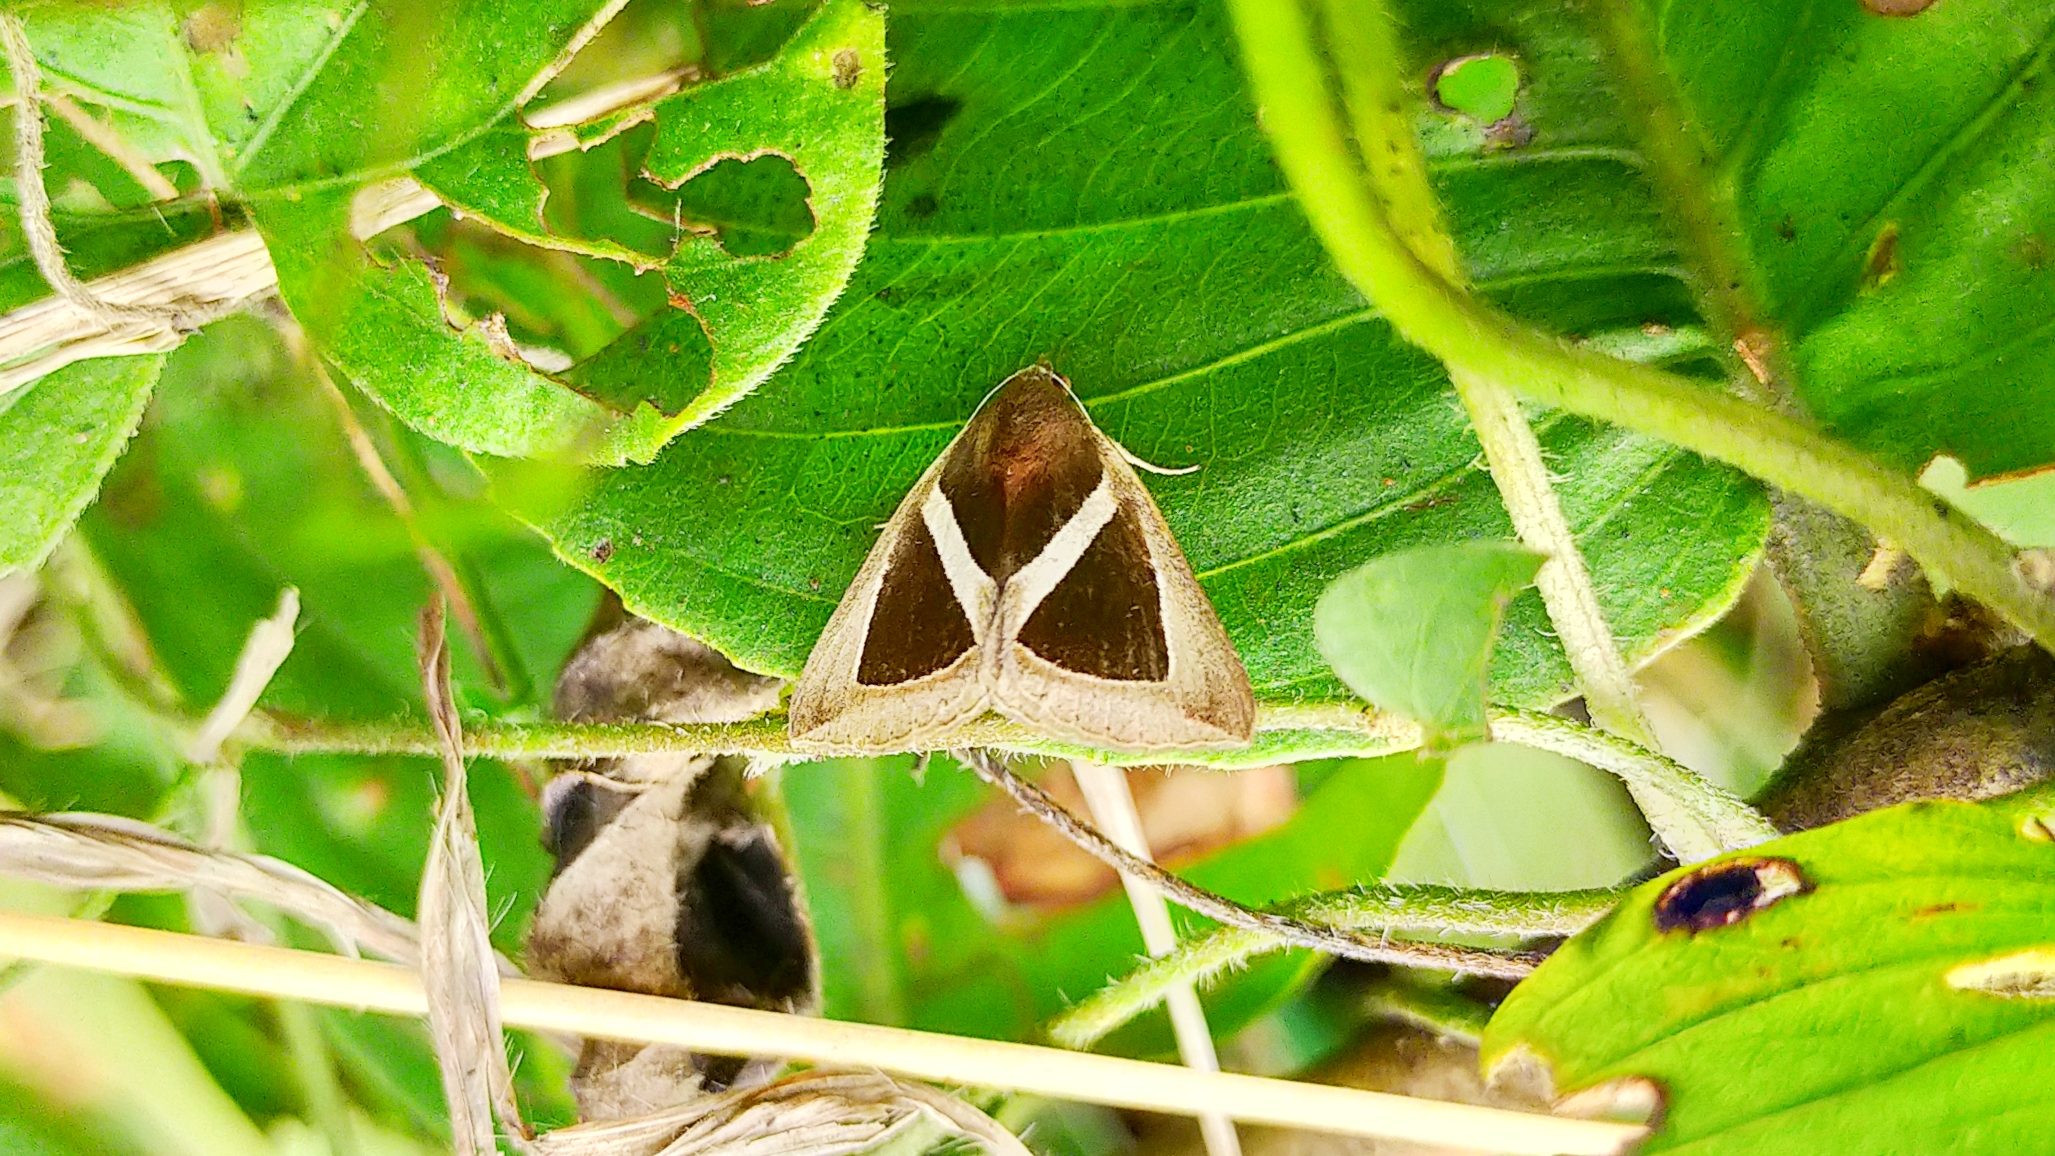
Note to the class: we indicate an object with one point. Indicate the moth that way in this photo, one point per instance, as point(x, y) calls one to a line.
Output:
point(1027, 572)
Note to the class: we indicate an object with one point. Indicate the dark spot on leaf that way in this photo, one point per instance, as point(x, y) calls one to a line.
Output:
point(602, 550)
point(1727, 893)
point(922, 207)
point(848, 68)
point(1881, 266)
point(1897, 7)
point(2033, 250)
point(1786, 231)
point(912, 128)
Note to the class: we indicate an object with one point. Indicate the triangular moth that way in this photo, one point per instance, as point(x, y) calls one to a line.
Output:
point(1027, 572)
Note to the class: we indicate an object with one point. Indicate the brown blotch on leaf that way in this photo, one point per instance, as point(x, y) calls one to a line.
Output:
point(1897, 7)
point(2033, 251)
point(602, 550)
point(848, 68)
point(1509, 132)
point(213, 27)
point(1882, 266)
point(1727, 893)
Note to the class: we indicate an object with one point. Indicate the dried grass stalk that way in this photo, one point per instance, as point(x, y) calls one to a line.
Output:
point(456, 946)
point(809, 1114)
point(107, 852)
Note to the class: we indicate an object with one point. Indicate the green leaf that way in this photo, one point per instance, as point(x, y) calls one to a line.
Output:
point(384, 94)
point(901, 944)
point(1412, 632)
point(1126, 222)
point(1890, 192)
point(752, 282)
point(58, 437)
point(1498, 819)
point(386, 328)
point(128, 64)
point(1833, 1019)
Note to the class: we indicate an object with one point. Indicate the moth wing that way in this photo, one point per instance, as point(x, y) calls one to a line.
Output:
point(898, 663)
point(1124, 651)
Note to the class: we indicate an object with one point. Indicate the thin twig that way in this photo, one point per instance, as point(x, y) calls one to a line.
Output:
point(1112, 804)
point(1286, 930)
point(1694, 816)
point(167, 957)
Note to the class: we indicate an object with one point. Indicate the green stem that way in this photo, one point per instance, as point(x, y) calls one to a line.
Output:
point(1695, 817)
point(1386, 908)
point(1395, 174)
point(1311, 145)
point(1698, 198)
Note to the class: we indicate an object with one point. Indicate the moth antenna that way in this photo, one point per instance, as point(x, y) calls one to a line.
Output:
point(1339, 941)
point(1152, 467)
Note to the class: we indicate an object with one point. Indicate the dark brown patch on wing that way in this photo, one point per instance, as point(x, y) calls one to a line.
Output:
point(1022, 468)
point(1106, 617)
point(917, 627)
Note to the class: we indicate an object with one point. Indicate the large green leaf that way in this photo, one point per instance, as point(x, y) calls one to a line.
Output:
point(1809, 996)
point(58, 438)
point(1889, 175)
point(901, 944)
point(1090, 185)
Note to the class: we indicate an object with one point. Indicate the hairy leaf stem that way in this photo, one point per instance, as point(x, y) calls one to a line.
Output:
point(1381, 908)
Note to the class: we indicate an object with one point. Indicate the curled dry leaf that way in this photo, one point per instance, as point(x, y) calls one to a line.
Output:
point(810, 1114)
point(667, 882)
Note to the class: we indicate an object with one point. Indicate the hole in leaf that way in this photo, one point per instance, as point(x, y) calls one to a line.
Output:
point(1483, 87)
point(757, 208)
point(665, 361)
point(590, 196)
point(1727, 893)
point(911, 129)
point(557, 307)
